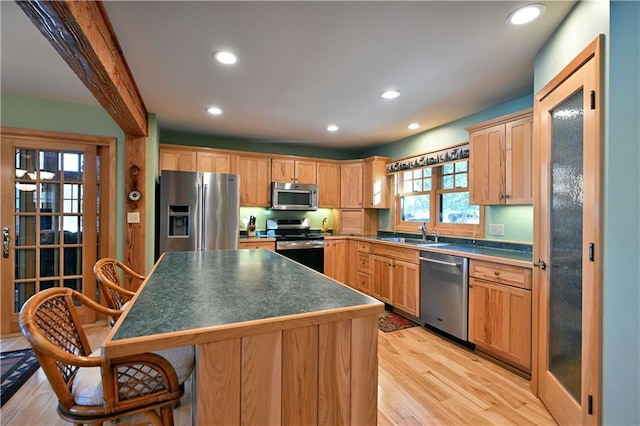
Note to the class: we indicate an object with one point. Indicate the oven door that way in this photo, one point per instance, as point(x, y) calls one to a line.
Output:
point(307, 252)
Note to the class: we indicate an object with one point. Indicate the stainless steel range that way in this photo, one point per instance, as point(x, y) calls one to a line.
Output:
point(295, 240)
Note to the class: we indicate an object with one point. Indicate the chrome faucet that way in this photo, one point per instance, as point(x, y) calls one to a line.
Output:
point(423, 229)
point(435, 231)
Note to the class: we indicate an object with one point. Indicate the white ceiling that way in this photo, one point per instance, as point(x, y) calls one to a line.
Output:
point(303, 65)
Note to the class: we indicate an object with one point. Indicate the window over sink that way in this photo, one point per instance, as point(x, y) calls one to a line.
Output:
point(437, 196)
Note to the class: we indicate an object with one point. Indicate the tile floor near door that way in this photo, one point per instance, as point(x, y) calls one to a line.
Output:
point(423, 380)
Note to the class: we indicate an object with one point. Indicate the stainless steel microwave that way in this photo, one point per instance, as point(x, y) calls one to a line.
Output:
point(294, 196)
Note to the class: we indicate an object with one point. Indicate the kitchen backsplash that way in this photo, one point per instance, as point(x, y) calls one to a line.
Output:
point(262, 214)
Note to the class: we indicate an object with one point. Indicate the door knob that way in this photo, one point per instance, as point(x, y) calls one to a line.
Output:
point(540, 264)
point(5, 242)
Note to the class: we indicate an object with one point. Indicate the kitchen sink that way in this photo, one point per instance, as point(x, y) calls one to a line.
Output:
point(402, 240)
point(432, 244)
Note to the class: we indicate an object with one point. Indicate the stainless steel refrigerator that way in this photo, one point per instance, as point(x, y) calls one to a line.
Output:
point(197, 211)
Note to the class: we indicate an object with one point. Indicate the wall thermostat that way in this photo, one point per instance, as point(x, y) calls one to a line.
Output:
point(135, 195)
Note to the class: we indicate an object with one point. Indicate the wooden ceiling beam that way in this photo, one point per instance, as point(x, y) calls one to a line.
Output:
point(82, 34)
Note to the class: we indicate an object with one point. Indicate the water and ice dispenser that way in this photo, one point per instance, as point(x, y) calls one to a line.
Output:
point(179, 217)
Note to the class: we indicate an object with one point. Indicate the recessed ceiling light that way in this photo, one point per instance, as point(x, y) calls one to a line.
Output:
point(332, 128)
point(225, 57)
point(525, 14)
point(214, 110)
point(413, 126)
point(390, 94)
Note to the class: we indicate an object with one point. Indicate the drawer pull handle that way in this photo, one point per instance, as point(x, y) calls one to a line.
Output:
point(496, 273)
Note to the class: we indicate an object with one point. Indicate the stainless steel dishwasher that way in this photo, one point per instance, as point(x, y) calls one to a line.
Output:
point(444, 293)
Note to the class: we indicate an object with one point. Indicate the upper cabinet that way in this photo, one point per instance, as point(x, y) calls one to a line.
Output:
point(177, 159)
point(328, 176)
point(255, 180)
point(501, 160)
point(351, 184)
point(289, 170)
point(213, 162)
point(189, 159)
point(376, 183)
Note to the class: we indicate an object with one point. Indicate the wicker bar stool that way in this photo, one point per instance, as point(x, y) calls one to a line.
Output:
point(92, 389)
point(107, 271)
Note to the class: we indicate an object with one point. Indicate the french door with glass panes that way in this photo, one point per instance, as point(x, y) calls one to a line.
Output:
point(49, 220)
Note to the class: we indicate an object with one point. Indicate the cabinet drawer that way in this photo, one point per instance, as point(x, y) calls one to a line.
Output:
point(269, 245)
point(364, 263)
point(499, 273)
point(364, 283)
point(406, 254)
point(364, 247)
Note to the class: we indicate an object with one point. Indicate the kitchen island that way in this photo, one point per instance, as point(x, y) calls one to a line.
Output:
point(277, 342)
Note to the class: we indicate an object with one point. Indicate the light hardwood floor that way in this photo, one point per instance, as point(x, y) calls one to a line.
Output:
point(423, 380)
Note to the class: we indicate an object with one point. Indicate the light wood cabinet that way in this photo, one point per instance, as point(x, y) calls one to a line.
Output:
point(290, 170)
point(360, 266)
point(335, 260)
point(500, 314)
point(397, 271)
point(191, 159)
point(358, 221)
point(253, 244)
point(501, 160)
point(351, 184)
point(255, 180)
point(376, 183)
point(328, 177)
point(213, 162)
point(382, 278)
point(178, 159)
point(406, 287)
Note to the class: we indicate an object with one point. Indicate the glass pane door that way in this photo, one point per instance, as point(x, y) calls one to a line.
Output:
point(565, 273)
point(49, 200)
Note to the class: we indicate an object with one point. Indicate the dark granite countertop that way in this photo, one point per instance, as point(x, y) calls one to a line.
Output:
point(195, 290)
point(500, 253)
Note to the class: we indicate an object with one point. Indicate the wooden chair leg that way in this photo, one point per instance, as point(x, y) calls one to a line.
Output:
point(167, 415)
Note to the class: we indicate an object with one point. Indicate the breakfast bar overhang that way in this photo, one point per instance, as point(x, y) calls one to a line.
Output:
point(277, 342)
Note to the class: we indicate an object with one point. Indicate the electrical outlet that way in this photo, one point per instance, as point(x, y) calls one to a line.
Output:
point(133, 217)
point(496, 229)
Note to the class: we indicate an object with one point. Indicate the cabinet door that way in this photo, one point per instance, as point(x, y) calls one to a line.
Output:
point(335, 254)
point(213, 162)
point(519, 161)
point(328, 175)
point(352, 264)
point(255, 181)
point(406, 286)
point(305, 172)
point(382, 278)
point(375, 184)
point(486, 164)
point(351, 185)
point(500, 321)
point(282, 170)
point(178, 159)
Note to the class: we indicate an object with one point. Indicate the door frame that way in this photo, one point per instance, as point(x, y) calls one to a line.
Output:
point(592, 328)
point(106, 150)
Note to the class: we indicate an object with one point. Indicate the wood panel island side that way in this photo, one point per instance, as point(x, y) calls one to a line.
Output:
point(277, 342)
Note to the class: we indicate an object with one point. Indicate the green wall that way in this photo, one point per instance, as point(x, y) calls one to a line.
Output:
point(619, 21)
point(517, 220)
point(44, 114)
point(255, 145)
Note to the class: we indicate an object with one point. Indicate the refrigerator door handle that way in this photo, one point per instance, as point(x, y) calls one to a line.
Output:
point(203, 234)
point(199, 225)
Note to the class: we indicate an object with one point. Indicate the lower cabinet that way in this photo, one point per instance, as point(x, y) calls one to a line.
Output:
point(362, 280)
point(335, 256)
point(500, 314)
point(253, 244)
point(382, 278)
point(406, 287)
